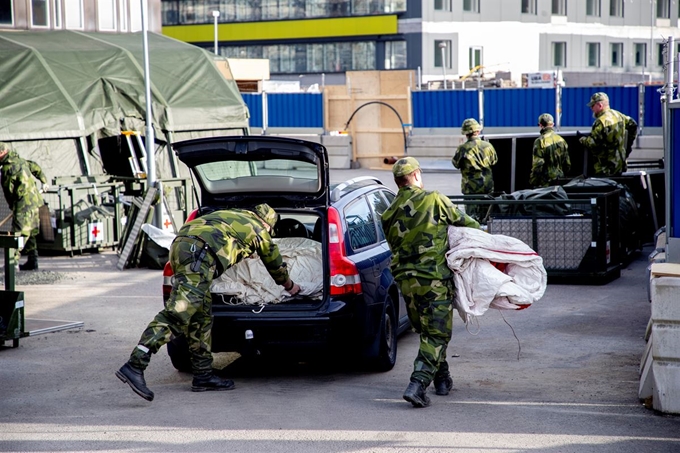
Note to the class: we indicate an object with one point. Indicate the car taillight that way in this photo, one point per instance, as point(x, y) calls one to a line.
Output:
point(192, 215)
point(168, 273)
point(167, 280)
point(344, 274)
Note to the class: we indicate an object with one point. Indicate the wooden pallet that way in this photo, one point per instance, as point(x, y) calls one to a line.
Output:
point(139, 219)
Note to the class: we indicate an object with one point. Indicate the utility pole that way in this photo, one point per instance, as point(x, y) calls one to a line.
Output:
point(442, 46)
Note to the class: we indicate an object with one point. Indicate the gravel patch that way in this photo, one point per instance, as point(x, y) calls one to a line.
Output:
point(40, 277)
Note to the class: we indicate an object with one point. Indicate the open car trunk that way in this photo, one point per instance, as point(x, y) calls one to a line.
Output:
point(249, 284)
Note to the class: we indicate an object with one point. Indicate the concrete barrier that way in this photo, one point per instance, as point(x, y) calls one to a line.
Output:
point(660, 365)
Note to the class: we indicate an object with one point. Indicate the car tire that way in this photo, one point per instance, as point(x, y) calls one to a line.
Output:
point(387, 339)
point(178, 350)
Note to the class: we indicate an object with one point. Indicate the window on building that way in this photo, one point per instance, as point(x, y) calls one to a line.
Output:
point(442, 5)
point(475, 55)
point(40, 13)
point(663, 9)
point(616, 51)
point(529, 6)
point(310, 58)
point(660, 54)
point(593, 8)
point(616, 8)
point(559, 54)
point(123, 5)
point(6, 12)
point(593, 50)
point(56, 13)
point(106, 15)
point(73, 14)
point(395, 55)
point(641, 54)
point(559, 7)
point(471, 6)
point(442, 53)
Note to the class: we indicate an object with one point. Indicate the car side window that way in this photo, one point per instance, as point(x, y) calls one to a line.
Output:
point(360, 224)
point(380, 204)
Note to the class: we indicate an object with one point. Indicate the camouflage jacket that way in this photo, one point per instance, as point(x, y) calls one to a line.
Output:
point(235, 235)
point(607, 141)
point(415, 226)
point(18, 184)
point(474, 159)
point(550, 158)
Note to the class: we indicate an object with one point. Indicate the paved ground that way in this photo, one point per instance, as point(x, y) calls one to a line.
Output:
point(572, 387)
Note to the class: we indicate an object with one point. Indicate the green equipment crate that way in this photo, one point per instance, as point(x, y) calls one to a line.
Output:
point(11, 316)
point(86, 216)
point(582, 245)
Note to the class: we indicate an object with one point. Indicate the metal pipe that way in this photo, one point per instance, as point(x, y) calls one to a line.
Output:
point(215, 14)
point(442, 46)
point(150, 140)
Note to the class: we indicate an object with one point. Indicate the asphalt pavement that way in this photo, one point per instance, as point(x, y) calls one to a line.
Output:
point(560, 376)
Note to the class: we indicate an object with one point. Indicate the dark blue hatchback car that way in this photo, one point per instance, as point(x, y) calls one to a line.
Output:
point(358, 307)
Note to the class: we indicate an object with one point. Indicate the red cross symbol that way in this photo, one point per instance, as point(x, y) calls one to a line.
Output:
point(95, 232)
point(167, 223)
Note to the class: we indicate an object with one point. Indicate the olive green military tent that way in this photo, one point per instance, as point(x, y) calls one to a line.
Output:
point(62, 92)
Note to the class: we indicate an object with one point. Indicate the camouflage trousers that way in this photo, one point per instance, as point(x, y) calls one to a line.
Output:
point(429, 304)
point(27, 224)
point(188, 311)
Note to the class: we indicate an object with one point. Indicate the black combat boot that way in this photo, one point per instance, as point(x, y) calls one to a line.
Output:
point(416, 395)
point(443, 384)
point(30, 265)
point(208, 381)
point(134, 377)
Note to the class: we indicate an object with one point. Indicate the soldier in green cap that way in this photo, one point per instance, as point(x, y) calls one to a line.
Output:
point(24, 199)
point(550, 155)
point(203, 249)
point(611, 137)
point(474, 159)
point(415, 225)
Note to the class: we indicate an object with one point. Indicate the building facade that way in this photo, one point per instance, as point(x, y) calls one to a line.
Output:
point(115, 16)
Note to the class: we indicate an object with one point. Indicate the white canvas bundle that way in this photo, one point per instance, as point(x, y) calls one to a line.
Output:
point(480, 285)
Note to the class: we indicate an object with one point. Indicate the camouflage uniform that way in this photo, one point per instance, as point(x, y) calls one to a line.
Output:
point(415, 226)
point(23, 197)
point(607, 141)
point(204, 248)
point(550, 158)
point(474, 159)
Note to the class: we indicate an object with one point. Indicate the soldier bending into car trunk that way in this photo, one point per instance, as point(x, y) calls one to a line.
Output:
point(415, 226)
point(203, 249)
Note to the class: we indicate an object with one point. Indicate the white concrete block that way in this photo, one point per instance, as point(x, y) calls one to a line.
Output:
point(646, 378)
point(646, 355)
point(339, 161)
point(666, 396)
point(665, 300)
point(666, 342)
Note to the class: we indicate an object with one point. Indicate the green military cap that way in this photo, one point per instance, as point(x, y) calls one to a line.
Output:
point(4, 146)
point(266, 213)
point(598, 97)
point(405, 166)
point(546, 119)
point(469, 126)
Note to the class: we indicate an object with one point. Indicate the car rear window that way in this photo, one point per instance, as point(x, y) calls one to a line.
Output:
point(283, 175)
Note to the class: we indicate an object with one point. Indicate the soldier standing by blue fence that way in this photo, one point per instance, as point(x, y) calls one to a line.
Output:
point(204, 248)
point(415, 226)
point(474, 159)
point(608, 142)
point(550, 159)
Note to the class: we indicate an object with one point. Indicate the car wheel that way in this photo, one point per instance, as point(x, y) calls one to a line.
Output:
point(387, 349)
point(178, 350)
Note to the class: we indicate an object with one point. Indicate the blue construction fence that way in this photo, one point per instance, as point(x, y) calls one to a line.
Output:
point(496, 107)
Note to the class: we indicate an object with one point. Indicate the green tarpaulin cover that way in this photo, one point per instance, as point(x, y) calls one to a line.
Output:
point(57, 87)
